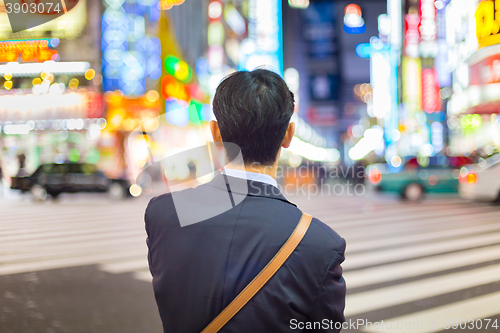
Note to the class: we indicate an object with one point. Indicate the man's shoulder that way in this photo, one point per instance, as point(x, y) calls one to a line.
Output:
point(159, 201)
point(324, 237)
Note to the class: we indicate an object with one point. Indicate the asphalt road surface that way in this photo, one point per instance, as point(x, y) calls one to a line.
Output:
point(79, 264)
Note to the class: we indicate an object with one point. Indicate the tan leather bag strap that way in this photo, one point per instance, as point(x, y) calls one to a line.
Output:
point(260, 280)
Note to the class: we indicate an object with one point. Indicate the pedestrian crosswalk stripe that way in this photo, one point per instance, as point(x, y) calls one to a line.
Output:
point(143, 275)
point(34, 266)
point(123, 267)
point(61, 238)
point(421, 237)
point(434, 320)
point(350, 224)
point(110, 245)
point(413, 268)
point(403, 293)
point(373, 258)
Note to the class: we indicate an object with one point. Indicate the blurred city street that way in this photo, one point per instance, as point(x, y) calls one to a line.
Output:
point(79, 264)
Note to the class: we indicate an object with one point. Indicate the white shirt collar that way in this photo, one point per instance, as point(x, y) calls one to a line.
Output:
point(254, 176)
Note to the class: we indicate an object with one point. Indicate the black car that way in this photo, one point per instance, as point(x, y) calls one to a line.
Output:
point(54, 179)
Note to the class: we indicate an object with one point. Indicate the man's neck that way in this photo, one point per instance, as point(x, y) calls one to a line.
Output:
point(269, 170)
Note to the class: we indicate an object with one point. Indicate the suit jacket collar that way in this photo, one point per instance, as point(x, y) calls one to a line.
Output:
point(255, 188)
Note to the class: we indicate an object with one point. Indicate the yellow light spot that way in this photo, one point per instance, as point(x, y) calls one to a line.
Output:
point(182, 71)
point(7, 77)
point(90, 74)
point(73, 84)
point(8, 85)
point(37, 81)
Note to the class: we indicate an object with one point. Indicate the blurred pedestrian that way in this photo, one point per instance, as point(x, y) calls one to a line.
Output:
point(22, 165)
point(359, 172)
point(200, 269)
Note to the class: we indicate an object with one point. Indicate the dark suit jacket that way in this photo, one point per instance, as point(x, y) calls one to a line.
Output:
point(200, 268)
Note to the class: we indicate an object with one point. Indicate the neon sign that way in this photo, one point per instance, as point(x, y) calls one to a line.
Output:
point(488, 23)
point(412, 35)
point(412, 85)
point(430, 91)
point(29, 50)
point(428, 29)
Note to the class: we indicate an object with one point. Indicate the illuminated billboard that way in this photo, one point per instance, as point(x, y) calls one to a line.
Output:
point(130, 55)
point(264, 46)
point(412, 84)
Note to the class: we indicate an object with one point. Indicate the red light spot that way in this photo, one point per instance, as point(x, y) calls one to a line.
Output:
point(433, 180)
point(375, 176)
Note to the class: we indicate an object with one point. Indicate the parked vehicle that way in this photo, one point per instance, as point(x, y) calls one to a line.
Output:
point(419, 176)
point(54, 179)
point(481, 181)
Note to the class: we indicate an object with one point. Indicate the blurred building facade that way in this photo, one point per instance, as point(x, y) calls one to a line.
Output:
point(51, 106)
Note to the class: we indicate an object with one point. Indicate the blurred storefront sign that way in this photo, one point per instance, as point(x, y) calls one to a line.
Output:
point(475, 56)
point(487, 18)
point(36, 69)
point(37, 50)
point(480, 86)
point(72, 105)
point(485, 71)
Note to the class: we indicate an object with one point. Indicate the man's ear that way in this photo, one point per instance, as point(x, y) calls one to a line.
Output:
point(214, 128)
point(290, 131)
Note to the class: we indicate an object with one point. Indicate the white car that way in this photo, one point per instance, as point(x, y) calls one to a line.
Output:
point(481, 181)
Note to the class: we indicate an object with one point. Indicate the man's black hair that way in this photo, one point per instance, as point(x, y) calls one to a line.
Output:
point(253, 110)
